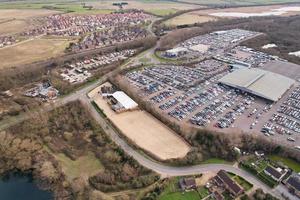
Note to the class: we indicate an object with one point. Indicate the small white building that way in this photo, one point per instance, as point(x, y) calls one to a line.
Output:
point(175, 52)
point(124, 100)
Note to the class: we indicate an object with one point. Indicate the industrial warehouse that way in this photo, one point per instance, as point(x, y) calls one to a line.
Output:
point(265, 84)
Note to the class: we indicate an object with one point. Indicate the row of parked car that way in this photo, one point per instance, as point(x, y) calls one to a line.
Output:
point(181, 111)
point(292, 112)
point(227, 120)
point(172, 102)
point(269, 129)
point(286, 122)
point(163, 95)
point(287, 118)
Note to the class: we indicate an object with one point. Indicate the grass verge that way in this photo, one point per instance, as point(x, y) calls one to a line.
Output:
point(286, 161)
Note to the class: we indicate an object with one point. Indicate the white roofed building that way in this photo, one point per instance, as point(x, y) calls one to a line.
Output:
point(259, 82)
point(178, 51)
point(124, 100)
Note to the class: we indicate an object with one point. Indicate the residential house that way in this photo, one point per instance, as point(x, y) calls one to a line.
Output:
point(293, 184)
point(275, 173)
point(187, 184)
point(223, 179)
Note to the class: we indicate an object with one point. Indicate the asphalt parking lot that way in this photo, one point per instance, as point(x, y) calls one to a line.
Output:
point(193, 96)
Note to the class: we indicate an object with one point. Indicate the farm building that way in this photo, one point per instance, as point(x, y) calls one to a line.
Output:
point(124, 100)
point(265, 84)
point(120, 101)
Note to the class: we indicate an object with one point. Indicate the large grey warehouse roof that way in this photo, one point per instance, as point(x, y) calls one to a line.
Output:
point(259, 82)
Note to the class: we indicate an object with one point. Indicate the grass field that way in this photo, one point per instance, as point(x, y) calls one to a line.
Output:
point(203, 192)
point(162, 12)
point(146, 131)
point(216, 161)
point(31, 51)
point(155, 7)
point(242, 182)
point(172, 192)
point(84, 166)
point(145, 60)
point(76, 8)
point(289, 162)
point(193, 195)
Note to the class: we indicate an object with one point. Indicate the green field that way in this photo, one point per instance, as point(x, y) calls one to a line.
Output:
point(144, 60)
point(172, 192)
point(286, 161)
point(63, 7)
point(161, 11)
point(193, 195)
point(203, 192)
point(84, 166)
point(242, 182)
point(216, 161)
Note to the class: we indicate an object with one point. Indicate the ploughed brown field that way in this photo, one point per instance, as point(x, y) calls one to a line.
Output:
point(16, 20)
point(30, 51)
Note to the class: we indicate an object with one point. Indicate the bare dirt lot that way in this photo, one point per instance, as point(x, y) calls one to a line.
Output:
point(24, 13)
point(189, 18)
point(16, 20)
point(31, 51)
point(146, 132)
point(12, 26)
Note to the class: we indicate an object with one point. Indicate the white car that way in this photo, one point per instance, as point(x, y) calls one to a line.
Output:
point(297, 147)
point(291, 139)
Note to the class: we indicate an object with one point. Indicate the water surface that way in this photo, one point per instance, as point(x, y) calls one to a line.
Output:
point(18, 186)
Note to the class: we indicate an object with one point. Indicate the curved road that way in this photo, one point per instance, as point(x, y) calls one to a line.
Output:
point(168, 171)
point(160, 168)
